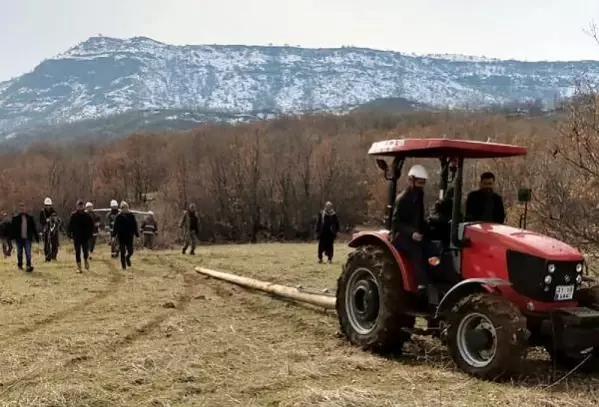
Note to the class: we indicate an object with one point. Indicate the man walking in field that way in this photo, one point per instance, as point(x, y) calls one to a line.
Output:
point(149, 228)
point(24, 231)
point(327, 228)
point(109, 225)
point(89, 208)
point(51, 236)
point(190, 225)
point(80, 230)
point(125, 229)
point(5, 234)
point(45, 215)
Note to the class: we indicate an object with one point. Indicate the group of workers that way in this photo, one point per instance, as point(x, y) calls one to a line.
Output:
point(410, 228)
point(82, 228)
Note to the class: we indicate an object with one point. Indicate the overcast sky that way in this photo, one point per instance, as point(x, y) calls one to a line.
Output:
point(31, 30)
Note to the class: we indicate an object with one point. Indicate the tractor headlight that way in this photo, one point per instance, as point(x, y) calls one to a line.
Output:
point(579, 268)
point(578, 279)
point(551, 268)
point(548, 279)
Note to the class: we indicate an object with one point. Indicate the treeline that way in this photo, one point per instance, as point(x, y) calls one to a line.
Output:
point(269, 180)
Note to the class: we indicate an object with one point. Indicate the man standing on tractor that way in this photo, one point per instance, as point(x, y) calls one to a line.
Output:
point(45, 215)
point(327, 227)
point(191, 227)
point(109, 225)
point(484, 204)
point(149, 228)
point(409, 225)
point(89, 208)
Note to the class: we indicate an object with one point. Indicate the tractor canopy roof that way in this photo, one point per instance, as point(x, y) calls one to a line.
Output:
point(439, 148)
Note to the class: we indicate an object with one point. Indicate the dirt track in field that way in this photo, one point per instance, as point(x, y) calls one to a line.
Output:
point(162, 335)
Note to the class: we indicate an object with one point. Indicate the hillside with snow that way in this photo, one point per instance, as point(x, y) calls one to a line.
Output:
point(106, 76)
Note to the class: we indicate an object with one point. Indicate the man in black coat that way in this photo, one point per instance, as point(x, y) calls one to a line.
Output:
point(484, 204)
point(24, 232)
point(327, 228)
point(80, 230)
point(6, 234)
point(125, 228)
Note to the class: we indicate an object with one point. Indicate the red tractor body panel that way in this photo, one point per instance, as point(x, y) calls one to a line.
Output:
point(486, 257)
point(381, 237)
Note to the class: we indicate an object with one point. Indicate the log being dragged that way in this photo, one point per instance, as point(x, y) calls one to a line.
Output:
point(325, 301)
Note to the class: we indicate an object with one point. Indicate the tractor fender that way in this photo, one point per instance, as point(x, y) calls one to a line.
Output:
point(467, 287)
point(381, 240)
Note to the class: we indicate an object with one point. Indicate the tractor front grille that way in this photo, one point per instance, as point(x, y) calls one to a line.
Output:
point(527, 274)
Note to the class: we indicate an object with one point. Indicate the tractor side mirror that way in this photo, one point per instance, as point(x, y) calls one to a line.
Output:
point(524, 195)
point(382, 164)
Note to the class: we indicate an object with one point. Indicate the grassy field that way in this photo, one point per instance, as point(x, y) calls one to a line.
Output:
point(162, 335)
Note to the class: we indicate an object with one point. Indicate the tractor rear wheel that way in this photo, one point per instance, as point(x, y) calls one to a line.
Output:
point(369, 301)
point(585, 363)
point(486, 336)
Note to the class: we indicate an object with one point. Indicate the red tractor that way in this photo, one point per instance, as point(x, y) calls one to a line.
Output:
point(501, 289)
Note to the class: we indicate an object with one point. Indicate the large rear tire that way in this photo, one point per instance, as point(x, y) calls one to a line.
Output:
point(487, 336)
point(370, 304)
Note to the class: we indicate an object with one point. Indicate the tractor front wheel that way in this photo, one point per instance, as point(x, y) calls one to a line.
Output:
point(369, 301)
point(486, 336)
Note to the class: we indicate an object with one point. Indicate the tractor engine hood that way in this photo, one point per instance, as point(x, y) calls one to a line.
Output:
point(526, 241)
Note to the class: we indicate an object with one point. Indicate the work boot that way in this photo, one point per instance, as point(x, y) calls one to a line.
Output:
point(79, 268)
point(29, 269)
point(86, 264)
point(128, 261)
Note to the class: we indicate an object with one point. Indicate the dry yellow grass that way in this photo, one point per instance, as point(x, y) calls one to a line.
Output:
point(162, 335)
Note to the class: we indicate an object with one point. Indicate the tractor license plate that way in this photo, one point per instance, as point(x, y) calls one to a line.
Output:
point(564, 292)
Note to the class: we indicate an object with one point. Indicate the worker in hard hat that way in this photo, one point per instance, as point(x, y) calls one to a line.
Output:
point(109, 225)
point(44, 218)
point(149, 229)
point(53, 227)
point(89, 208)
point(409, 225)
point(80, 230)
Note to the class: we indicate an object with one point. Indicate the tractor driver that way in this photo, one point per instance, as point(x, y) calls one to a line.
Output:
point(484, 204)
point(408, 223)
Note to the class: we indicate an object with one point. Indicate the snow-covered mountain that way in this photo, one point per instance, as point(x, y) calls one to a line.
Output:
point(105, 76)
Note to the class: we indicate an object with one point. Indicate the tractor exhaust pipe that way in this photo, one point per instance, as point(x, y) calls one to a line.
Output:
point(324, 301)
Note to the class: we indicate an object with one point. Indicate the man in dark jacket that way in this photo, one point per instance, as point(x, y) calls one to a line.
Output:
point(51, 233)
point(24, 232)
point(149, 228)
point(408, 223)
point(125, 228)
point(327, 227)
point(80, 230)
point(191, 227)
point(109, 225)
point(6, 234)
point(45, 215)
point(89, 208)
point(484, 204)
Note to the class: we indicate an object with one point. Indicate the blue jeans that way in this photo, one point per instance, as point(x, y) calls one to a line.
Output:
point(23, 245)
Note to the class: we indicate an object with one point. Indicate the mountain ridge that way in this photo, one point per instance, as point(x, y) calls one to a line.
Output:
point(104, 76)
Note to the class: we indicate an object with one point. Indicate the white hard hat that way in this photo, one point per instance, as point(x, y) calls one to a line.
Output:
point(114, 204)
point(89, 205)
point(48, 201)
point(418, 171)
point(151, 213)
